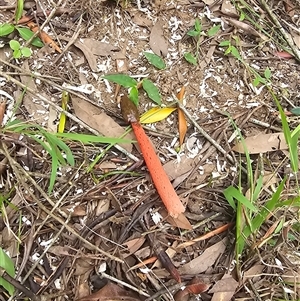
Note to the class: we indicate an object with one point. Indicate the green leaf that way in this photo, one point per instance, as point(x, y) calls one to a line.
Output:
point(242, 16)
point(7, 264)
point(14, 45)
point(26, 51)
point(197, 25)
point(19, 10)
point(155, 60)
point(228, 50)
point(232, 193)
point(267, 73)
point(134, 95)
point(121, 79)
point(235, 53)
point(190, 58)
point(54, 168)
point(37, 42)
point(62, 146)
point(295, 111)
point(152, 91)
point(256, 81)
point(193, 33)
point(213, 30)
point(6, 29)
point(25, 33)
point(224, 43)
point(17, 54)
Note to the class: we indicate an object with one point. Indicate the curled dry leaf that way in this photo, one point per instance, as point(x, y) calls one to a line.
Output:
point(166, 262)
point(111, 292)
point(262, 143)
point(224, 289)
point(158, 42)
point(195, 287)
point(182, 124)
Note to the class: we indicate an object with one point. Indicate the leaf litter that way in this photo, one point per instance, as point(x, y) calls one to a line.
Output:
point(219, 83)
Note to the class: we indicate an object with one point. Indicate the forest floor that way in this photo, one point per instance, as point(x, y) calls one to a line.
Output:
point(80, 217)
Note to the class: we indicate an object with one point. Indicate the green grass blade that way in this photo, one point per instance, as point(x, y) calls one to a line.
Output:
point(84, 138)
point(265, 211)
point(232, 193)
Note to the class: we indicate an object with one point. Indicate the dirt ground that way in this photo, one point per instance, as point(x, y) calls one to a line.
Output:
point(102, 233)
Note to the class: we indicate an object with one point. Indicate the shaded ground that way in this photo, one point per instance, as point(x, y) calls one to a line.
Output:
point(101, 223)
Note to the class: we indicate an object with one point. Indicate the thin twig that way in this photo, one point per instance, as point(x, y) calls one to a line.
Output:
point(56, 5)
point(205, 135)
point(104, 275)
point(68, 114)
point(286, 35)
point(18, 170)
point(70, 42)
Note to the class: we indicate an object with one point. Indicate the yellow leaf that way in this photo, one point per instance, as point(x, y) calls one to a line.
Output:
point(62, 120)
point(156, 114)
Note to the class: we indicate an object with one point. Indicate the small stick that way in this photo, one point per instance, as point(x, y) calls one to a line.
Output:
point(206, 135)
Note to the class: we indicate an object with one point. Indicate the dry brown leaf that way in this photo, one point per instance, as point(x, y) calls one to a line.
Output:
point(247, 28)
point(229, 9)
point(98, 120)
point(2, 111)
point(253, 273)
point(175, 169)
point(133, 245)
point(111, 292)
point(35, 107)
point(91, 48)
point(82, 266)
point(195, 286)
point(182, 124)
point(78, 210)
point(224, 289)
point(52, 127)
point(226, 284)
point(201, 263)
point(140, 19)
point(262, 143)
point(296, 38)
point(181, 222)
point(158, 42)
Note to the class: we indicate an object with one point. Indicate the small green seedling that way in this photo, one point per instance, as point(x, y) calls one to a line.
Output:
point(18, 50)
point(197, 32)
point(127, 81)
point(25, 33)
point(258, 79)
